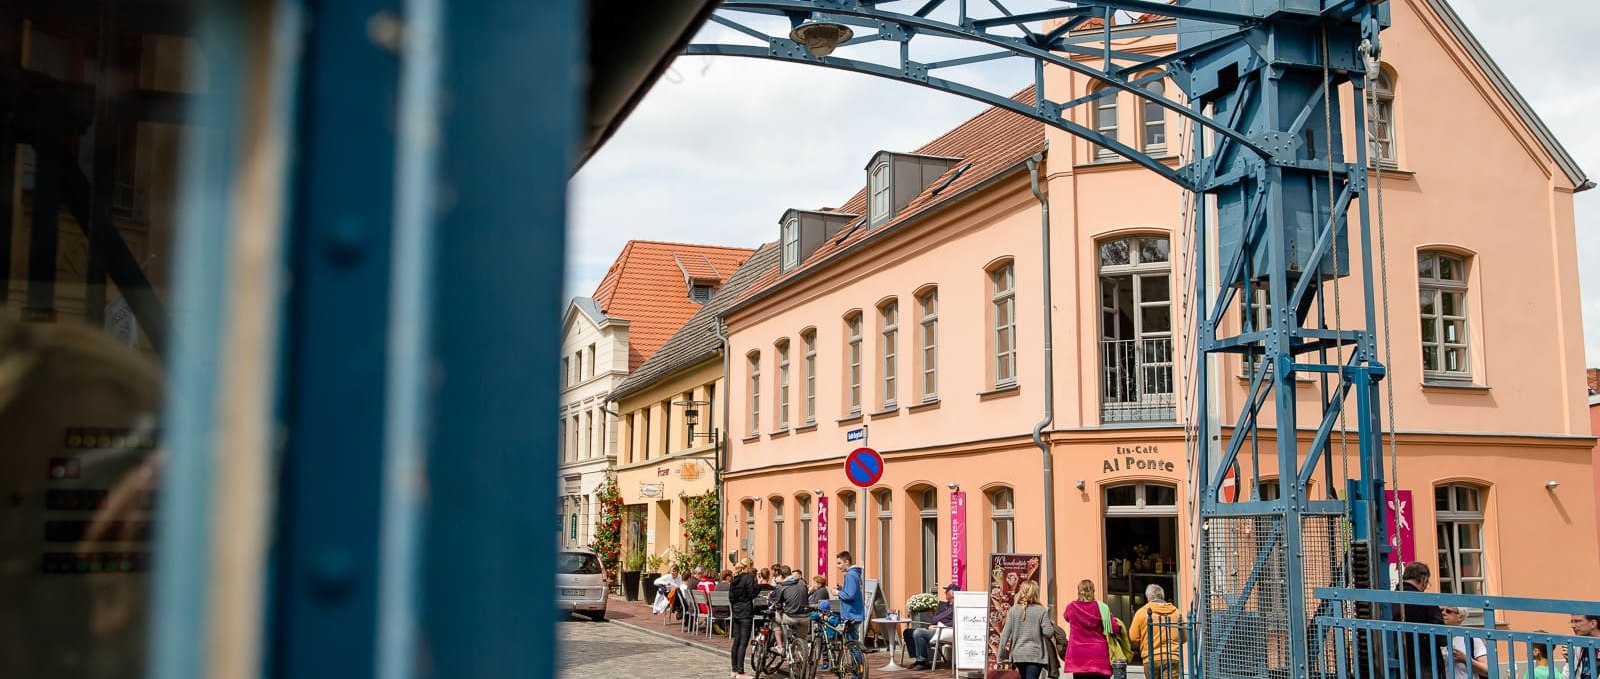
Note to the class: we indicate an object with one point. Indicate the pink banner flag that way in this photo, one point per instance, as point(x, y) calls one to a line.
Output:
point(822, 534)
point(958, 539)
point(1398, 517)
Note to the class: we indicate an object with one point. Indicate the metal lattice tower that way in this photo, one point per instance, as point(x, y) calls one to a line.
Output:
point(1275, 195)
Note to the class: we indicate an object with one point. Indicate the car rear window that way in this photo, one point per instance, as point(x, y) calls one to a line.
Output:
point(577, 563)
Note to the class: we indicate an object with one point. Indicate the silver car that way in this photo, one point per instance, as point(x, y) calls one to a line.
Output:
point(581, 583)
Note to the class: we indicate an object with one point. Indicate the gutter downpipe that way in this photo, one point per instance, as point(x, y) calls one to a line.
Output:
point(1049, 389)
point(721, 436)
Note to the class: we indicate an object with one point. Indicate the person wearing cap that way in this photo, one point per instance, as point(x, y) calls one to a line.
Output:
point(938, 630)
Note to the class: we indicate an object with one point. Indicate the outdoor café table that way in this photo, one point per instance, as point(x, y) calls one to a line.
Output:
point(894, 637)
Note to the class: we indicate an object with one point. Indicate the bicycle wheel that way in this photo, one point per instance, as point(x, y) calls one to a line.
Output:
point(799, 657)
point(761, 655)
point(852, 661)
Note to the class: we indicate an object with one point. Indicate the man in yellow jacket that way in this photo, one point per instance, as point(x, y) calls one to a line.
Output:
point(1161, 644)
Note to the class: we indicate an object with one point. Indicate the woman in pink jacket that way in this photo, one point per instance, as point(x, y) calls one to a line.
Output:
point(1087, 654)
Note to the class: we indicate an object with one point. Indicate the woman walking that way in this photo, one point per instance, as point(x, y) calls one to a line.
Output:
point(1027, 627)
point(741, 594)
point(1088, 655)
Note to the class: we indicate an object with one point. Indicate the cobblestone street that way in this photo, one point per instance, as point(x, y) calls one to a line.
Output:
point(607, 650)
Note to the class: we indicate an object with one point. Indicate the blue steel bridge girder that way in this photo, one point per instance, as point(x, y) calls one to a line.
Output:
point(1276, 197)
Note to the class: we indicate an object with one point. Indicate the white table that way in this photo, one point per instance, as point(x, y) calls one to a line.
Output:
point(894, 640)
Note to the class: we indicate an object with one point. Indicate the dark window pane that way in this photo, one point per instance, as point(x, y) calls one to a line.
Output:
point(1113, 253)
point(1153, 250)
point(1122, 496)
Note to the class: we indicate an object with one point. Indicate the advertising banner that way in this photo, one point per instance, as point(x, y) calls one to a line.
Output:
point(958, 539)
point(1007, 572)
point(822, 534)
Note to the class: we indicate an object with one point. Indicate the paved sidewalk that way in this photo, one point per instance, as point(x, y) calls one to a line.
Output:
point(636, 615)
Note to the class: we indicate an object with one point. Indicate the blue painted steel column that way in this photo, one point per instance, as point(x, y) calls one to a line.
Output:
point(511, 75)
point(325, 602)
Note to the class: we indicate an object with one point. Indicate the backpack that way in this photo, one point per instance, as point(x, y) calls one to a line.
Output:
point(1116, 639)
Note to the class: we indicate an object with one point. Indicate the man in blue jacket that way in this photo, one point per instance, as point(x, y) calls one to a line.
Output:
point(851, 605)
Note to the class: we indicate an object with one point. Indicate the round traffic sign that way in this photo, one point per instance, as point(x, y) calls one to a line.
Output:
point(863, 466)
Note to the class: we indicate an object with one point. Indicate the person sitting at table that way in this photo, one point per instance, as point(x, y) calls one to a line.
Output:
point(938, 630)
point(819, 590)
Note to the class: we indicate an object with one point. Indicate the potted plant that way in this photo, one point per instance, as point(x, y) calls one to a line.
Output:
point(921, 606)
point(652, 570)
point(630, 575)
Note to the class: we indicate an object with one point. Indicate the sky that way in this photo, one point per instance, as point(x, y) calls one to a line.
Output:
point(720, 147)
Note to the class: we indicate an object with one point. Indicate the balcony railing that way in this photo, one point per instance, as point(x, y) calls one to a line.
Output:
point(1136, 381)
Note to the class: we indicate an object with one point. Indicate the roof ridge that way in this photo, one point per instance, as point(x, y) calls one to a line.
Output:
point(641, 241)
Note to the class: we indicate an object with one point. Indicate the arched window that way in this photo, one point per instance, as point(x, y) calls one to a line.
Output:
point(1002, 520)
point(852, 352)
point(1003, 302)
point(1442, 299)
point(782, 349)
point(1153, 120)
point(808, 343)
point(1136, 330)
point(804, 544)
point(889, 340)
point(847, 499)
point(1383, 137)
point(748, 541)
point(928, 340)
point(791, 243)
point(755, 392)
point(1458, 520)
point(879, 188)
point(926, 499)
point(883, 505)
point(1105, 119)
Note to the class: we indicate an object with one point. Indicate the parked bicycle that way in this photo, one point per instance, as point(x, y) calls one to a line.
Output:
point(834, 646)
point(776, 645)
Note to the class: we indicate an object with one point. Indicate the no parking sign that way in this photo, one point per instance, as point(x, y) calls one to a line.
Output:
point(863, 466)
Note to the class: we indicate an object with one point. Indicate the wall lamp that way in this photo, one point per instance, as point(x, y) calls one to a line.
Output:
point(1081, 485)
point(953, 486)
point(1552, 485)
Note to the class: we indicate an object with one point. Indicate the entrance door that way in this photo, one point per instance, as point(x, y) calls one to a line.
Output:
point(1141, 544)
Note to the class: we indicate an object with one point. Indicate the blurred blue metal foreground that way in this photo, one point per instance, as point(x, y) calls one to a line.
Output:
point(430, 145)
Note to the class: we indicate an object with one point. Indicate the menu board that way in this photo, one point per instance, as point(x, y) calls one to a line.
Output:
point(1007, 572)
point(971, 630)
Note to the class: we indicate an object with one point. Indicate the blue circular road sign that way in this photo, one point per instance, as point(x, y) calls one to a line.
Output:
point(863, 466)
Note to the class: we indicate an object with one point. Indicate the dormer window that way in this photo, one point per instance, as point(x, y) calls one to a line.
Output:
point(791, 243)
point(700, 293)
point(879, 191)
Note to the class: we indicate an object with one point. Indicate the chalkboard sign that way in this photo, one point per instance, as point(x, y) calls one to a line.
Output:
point(971, 630)
point(874, 605)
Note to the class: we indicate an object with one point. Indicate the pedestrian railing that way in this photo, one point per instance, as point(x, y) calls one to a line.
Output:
point(1362, 634)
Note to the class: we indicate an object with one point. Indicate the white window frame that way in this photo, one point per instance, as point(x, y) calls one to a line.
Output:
point(1152, 117)
point(1450, 523)
point(1137, 272)
point(791, 243)
point(755, 392)
point(777, 529)
point(1003, 317)
point(880, 192)
point(783, 384)
point(1384, 151)
point(883, 507)
point(928, 533)
point(1002, 520)
point(1440, 288)
point(1140, 507)
point(803, 504)
point(1102, 106)
point(809, 342)
point(928, 306)
point(889, 316)
point(852, 325)
point(849, 500)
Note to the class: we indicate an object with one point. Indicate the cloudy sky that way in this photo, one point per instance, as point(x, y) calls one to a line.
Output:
point(721, 147)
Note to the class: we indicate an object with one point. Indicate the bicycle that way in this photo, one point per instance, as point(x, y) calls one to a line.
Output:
point(765, 656)
point(834, 646)
point(794, 650)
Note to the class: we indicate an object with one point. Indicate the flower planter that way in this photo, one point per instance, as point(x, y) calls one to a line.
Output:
point(630, 585)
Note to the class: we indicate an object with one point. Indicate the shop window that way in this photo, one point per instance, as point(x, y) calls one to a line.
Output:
point(1142, 537)
point(776, 505)
point(747, 542)
point(848, 500)
point(1002, 521)
point(1136, 330)
point(927, 501)
point(1458, 519)
point(883, 551)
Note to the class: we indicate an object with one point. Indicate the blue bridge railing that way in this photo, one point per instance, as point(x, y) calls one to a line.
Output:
point(1473, 641)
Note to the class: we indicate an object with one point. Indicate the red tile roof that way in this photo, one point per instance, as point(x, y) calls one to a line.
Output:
point(647, 286)
point(987, 144)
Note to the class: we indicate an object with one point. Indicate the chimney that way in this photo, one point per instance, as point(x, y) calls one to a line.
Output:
point(1594, 381)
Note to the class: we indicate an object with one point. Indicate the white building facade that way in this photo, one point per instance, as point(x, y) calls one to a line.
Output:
point(594, 359)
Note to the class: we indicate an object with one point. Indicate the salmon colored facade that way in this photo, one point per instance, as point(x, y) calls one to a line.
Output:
point(1475, 194)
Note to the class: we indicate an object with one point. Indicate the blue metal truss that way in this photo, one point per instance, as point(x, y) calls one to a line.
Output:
point(1274, 196)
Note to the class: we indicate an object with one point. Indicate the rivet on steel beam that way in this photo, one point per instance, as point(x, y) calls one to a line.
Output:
point(386, 31)
point(343, 244)
point(333, 574)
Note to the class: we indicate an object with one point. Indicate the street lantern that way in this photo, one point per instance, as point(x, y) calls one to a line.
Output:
point(820, 36)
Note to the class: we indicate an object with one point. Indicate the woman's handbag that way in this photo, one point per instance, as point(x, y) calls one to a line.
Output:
point(1056, 649)
point(1117, 642)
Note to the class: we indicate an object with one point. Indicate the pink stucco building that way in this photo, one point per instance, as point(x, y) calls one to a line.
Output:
point(914, 309)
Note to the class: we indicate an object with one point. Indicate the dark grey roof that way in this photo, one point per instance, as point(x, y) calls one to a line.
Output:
point(694, 342)
point(588, 306)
